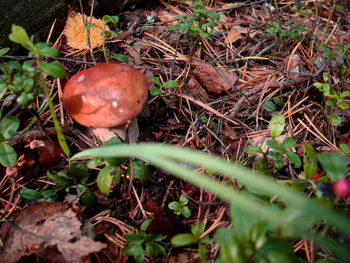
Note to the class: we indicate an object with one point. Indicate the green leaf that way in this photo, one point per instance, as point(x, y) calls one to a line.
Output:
point(31, 194)
point(183, 200)
point(46, 51)
point(8, 156)
point(197, 229)
point(276, 250)
point(88, 198)
point(275, 145)
point(184, 239)
point(170, 84)
point(19, 35)
point(79, 171)
point(4, 50)
point(145, 224)
point(113, 161)
point(110, 19)
point(310, 160)
point(174, 205)
point(345, 148)
point(269, 106)
point(9, 126)
point(179, 162)
point(154, 249)
point(293, 158)
point(252, 149)
point(140, 170)
point(60, 178)
point(276, 125)
point(186, 212)
point(155, 91)
point(105, 178)
point(136, 251)
point(91, 26)
point(334, 118)
point(289, 143)
point(121, 58)
point(49, 195)
point(214, 15)
point(335, 164)
point(53, 68)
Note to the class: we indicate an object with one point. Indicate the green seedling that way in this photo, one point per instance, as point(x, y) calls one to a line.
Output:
point(78, 176)
point(332, 99)
point(159, 88)
point(290, 31)
point(251, 241)
point(181, 207)
point(110, 171)
point(271, 106)
point(276, 128)
point(45, 196)
point(137, 243)
point(26, 80)
point(8, 127)
point(200, 22)
point(194, 237)
point(301, 8)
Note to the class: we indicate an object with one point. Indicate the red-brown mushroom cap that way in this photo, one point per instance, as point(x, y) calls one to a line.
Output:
point(106, 95)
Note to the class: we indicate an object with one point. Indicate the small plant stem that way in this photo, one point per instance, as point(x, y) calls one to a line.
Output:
point(88, 30)
point(60, 137)
point(329, 17)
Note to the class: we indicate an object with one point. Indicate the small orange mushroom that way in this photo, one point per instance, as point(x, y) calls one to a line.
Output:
point(106, 96)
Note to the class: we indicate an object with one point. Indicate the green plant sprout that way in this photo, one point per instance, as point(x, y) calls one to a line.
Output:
point(111, 171)
point(276, 128)
point(301, 8)
point(136, 243)
point(185, 239)
point(291, 30)
point(250, 240)
point(8, 127)
point(155, 91)
point(25, 80)
point(199, 23)
point(333, 99)
point(106, 33)
point(181, 207)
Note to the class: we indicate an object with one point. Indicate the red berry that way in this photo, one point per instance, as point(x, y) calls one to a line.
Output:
point(341, 188)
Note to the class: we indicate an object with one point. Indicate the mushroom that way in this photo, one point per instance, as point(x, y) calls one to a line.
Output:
point(106, 97)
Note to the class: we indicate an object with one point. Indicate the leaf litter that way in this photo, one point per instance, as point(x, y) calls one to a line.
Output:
point(222, 84)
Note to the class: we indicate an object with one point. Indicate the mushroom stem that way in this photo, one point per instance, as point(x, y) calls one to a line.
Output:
point(130, 132)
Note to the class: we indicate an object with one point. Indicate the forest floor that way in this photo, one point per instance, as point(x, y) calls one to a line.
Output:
point(213, 87)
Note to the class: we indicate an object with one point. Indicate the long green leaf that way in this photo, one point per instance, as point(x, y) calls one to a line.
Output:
point(169, 158)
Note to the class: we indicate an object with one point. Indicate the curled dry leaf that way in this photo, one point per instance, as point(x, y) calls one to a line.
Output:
point(214, 79)
point(49, 152)
point(48, 230)
point(76, 35)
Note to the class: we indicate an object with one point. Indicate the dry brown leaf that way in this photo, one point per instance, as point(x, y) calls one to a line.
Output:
point(214, 79)
point(49, 230)
point(165, 16)
point(76, 35)
point(236, 33)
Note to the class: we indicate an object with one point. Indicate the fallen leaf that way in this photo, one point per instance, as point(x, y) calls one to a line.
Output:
point(76, 35)
point(235, 33)
point(214, 79)
point(49, 152)
point(165, 16)
point(48, 230)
